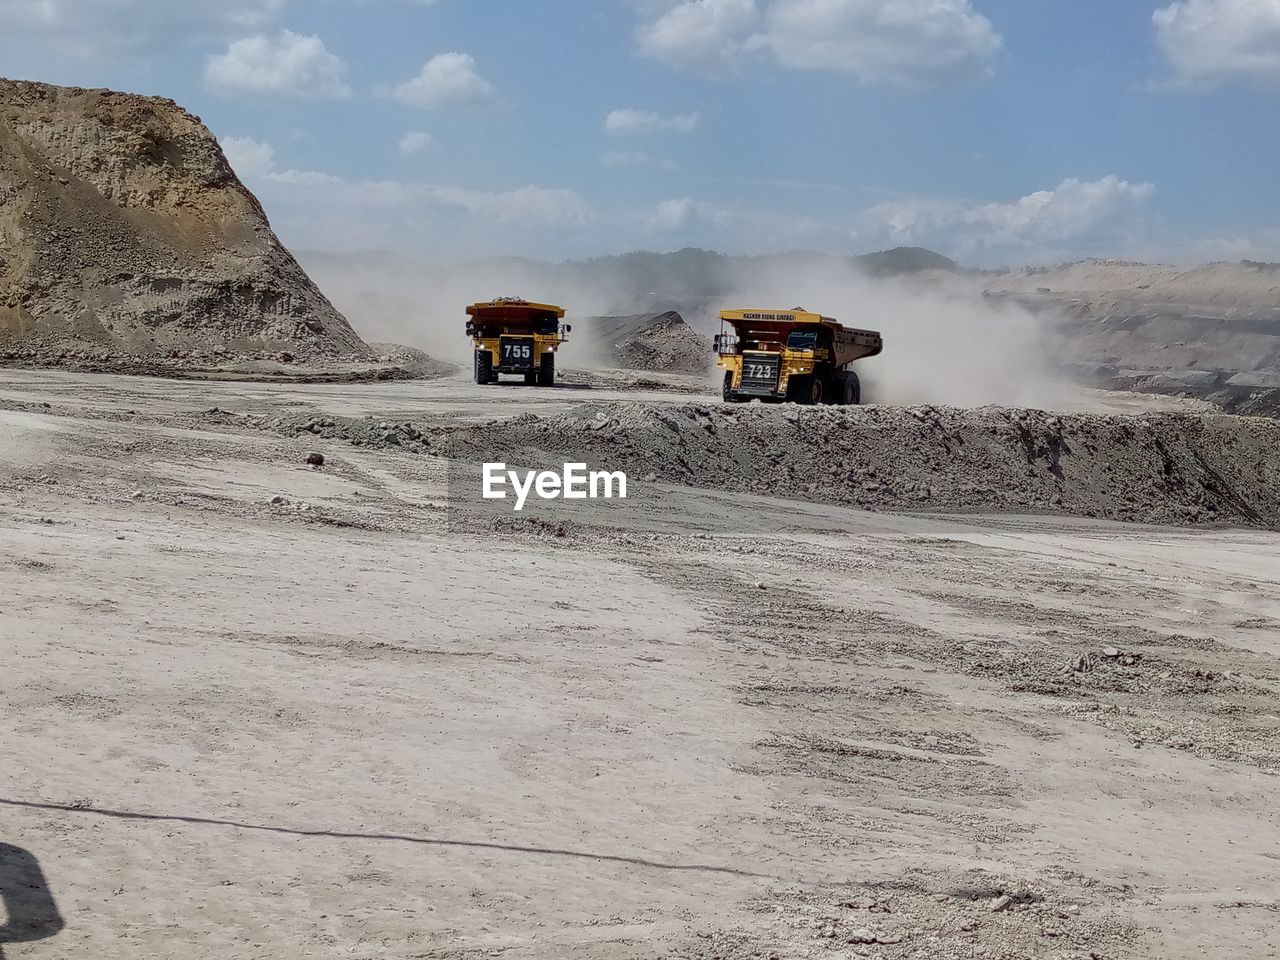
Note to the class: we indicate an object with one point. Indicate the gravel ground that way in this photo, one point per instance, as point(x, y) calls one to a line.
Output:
point(1156, 468)
point(256, 708)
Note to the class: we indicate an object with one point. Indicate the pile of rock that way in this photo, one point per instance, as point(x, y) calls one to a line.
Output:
point(1156, 468)
point(647, 341)
point(125, 233)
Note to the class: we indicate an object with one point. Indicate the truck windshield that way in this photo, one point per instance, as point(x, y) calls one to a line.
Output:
point(802, 340)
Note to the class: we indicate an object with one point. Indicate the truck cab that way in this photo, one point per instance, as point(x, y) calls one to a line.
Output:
point(791, 355)
point(515, 336)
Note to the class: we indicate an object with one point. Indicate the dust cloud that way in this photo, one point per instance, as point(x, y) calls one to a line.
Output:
point(944, 343)
point(394, 301)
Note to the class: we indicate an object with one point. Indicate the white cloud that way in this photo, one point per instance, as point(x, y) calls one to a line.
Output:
point(250, 159)
point(1208, 41)
point(255, 161)
point(897, 42)
point(1075, 208)
point(104, 29)
point(1085, 215)
point(699, 32)
point(449, 78)
point(303, 178)
point(673, 215)
point(100, 29)
point(901, 42)
point(287, 64)
point(66, 13)
point(627, 122)
point(415, 142)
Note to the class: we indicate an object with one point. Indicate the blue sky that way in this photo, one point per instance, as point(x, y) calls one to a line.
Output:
point(996, 131)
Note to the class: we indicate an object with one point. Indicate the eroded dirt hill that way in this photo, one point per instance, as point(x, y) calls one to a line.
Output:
point(648, 341)
point(124, 230)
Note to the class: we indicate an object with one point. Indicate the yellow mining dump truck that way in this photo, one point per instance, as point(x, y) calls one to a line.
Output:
point(791, 355)
point(515, 336)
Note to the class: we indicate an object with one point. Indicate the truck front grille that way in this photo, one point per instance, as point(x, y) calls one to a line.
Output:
point(760, 372)
point(515, 354)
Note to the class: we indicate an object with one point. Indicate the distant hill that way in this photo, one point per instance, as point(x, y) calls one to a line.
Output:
point(901, 260)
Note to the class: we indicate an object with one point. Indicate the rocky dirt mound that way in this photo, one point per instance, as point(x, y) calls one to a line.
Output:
point(1154, 468)
point(1157, 468)
point(1211, 332)
point(647, 341)
point(123, 231)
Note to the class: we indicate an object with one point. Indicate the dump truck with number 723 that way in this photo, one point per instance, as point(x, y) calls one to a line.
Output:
point(791, 355)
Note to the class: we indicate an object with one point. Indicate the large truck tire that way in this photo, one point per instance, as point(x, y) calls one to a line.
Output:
point(797, 389)
point(484, 367)
point(833, 393)
point(547, 370)
point(817, 390)
point(808, 390)
point(530, 379)
point(727, 390)
point(852, 389)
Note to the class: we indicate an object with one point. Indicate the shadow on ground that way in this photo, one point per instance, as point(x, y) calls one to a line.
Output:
point(30, 912)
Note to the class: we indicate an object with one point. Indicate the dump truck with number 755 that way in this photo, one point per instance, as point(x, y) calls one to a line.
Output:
point(791, 355)
point(514, 336)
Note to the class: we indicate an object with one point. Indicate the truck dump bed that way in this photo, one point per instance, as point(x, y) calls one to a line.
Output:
point(773, 329)
point(493, 318)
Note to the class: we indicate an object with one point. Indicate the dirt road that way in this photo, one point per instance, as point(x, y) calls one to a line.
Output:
point(335, 725)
